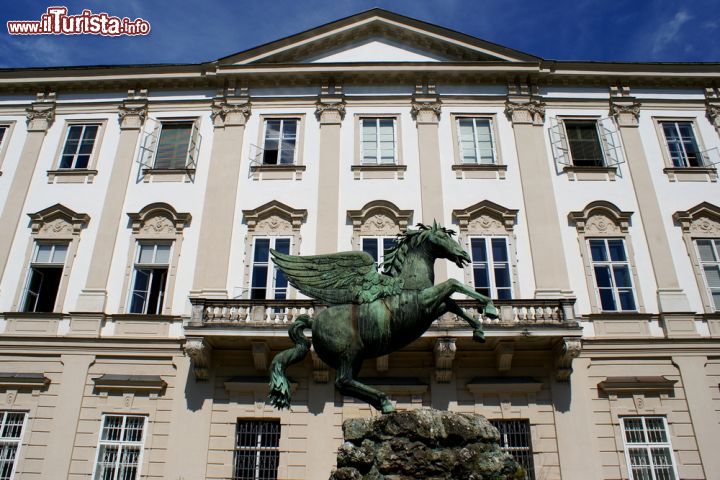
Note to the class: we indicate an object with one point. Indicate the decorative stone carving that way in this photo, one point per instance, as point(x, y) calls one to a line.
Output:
point(530, 111)
point(713, 114)
point(486, 217)
point(199, 352)
point(426, 110)
point(330, 111)
point(57, 221)
point(41, 113)
point(600, 218)
point(379, 217)
point(625, 111)
point(225, 112)
point(133, 110)
point(382, 363)
point(702, 220)
point(568, 350)
point(444, 351)
point(504, 352)
point(274, 217)
point(261, 355)
point(159, 220)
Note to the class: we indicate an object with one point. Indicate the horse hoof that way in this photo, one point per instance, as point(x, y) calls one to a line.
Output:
point(491, 311)
point(387, 407)
point(479, 336)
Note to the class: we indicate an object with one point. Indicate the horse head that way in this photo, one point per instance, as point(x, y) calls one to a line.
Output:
point(442, 244)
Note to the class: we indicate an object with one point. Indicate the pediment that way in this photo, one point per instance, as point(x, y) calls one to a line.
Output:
point(377, 36)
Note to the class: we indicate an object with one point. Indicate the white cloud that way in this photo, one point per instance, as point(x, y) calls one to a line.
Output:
point(32, 52)
point(669, 32)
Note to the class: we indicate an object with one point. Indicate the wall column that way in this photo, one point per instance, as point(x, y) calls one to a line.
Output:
point(543, 221)
point(330, 112)
point(712, 106)
point(40, 115)
point(131, 115)
point(702, 410)
point(671, 298)
point(66, 415)
point(229, 115)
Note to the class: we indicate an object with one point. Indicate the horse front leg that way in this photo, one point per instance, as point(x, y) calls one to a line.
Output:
point(478, 332)
point(347, 385)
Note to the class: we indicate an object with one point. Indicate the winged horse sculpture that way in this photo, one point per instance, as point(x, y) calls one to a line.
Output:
point(371, 314)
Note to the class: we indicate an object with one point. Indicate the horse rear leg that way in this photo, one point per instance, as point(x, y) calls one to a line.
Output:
point(347, 385)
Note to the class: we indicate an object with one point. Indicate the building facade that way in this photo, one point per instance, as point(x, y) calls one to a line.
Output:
point(141, 309)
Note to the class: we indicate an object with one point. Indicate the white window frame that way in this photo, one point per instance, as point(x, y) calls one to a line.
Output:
point(608, 137)
point(33, 263)
point(647, 445)
point(695, 139)
point(490, 263)
point(715, 245)
point(120, 444)
point(280, 138)
point(150, 143)
point(493, 142)
point(272, 268)
point(627, 263)
point(378, 154)
point(13, 440)
point(379, 242)
point(150, 266)
point(73, 163)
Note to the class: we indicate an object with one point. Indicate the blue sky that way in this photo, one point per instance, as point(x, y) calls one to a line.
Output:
point(187, 31)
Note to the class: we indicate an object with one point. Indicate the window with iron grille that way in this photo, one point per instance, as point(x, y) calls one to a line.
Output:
point(515, 439)
point(120, 447)
point(647, 448)
point(257, 450)
point(11, 428)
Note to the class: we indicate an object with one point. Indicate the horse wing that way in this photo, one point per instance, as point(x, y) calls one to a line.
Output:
point(338, 278)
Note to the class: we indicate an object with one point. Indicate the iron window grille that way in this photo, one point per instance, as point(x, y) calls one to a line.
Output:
point(120, 447)
point(516, 440)
point(11, 430)
point(648, 451)
point(257, 450)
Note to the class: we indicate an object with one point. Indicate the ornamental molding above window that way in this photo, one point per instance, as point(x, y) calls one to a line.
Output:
point(379, 217)
point(486, 217)
point(57, 221)
point(601, 218)
point(159, 220)
point(702, 220)
point(274, 218)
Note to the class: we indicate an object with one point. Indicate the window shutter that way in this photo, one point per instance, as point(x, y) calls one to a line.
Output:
point(710, 157)
point(193, 148)
point(149, 144)
point(610, 138)
point(558, 142)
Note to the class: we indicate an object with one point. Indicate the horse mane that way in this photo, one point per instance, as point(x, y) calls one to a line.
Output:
point(410, 239)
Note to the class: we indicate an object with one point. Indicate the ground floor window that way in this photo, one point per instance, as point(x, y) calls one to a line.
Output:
point(257, 450)
point(647, 448)
point(515, 439)
point(11, 427)
point(120, 447)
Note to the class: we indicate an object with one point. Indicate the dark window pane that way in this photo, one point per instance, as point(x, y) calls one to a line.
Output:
point(607, 300)
point(477, 247)
point(504, 294)
point(369, 245)
point(584, 143)
point(480, 276)
point(388, 244)
point(622, 276)
point(43, 289)
point(598, 251)
point(502, 276)
point(282, 245)
point(262, 250)
point(173, 145)
point(617, 250)
point(627, 301)
point(602, 276)
point(499, 250)
point(157, 291)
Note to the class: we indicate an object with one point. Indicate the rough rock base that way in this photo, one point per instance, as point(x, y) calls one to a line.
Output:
point(423, 444)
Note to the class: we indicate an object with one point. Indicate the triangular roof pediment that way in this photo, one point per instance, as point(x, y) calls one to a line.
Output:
point(377, 36)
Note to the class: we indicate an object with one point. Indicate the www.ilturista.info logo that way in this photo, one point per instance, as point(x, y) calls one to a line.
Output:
point(56, 21)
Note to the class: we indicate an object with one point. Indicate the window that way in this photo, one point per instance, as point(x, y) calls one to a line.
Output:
point(120, 447)
point(584, 142)
point(170, 145)
point(378, 141)
point(11, 429)
point(267, 280)
point(647, 448)
point(280, 141)
point(612, 274)
point(44, 277)
point(79, 144)
point(491, 267)
point(150, 275)
point(257, 450)
point(515, 440)
point(377, 247)
point(477, 145)
point(709, 255)
point(3, 131)
point(681, 143)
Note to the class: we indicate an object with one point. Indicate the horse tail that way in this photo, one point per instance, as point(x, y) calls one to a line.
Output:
point(280, 394)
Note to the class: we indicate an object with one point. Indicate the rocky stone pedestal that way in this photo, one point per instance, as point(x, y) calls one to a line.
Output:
point(423, 444)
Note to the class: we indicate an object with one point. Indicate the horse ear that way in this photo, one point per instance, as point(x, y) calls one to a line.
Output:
point(434, 224)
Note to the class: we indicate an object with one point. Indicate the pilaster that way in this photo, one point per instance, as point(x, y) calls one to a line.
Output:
point(40, 116)
point(131, 116)
point(626, 110)
point(330, 112)
point(230, 111)
point(526, 111)
point(712, 107)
